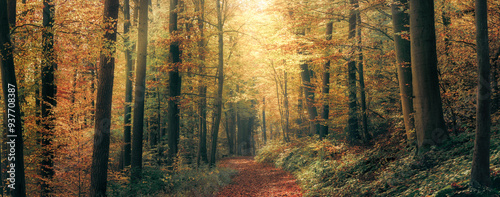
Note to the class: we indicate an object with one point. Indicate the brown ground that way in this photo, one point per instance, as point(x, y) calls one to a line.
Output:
point(256, 179)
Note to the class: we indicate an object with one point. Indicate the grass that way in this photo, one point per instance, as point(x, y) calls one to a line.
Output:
point(388, 168)
point(158, 181)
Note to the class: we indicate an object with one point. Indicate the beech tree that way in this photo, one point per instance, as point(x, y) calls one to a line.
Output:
point(480, 173)
point(100, 154)
point(202, 89)
point(49, 102)
point(352, 121)
point(362, 93)
point(126, 150)
point(175, 82)
point(12, 115)
point(264, 119)
point(429, 122)
point(400, 22)
point(326, 86)
point(140, 90)
point(220, 85)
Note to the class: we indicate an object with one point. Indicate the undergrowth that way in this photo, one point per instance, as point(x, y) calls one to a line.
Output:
point(186, 181)
point(388, 168)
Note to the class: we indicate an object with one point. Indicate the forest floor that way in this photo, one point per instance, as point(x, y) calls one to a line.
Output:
point(257, 179)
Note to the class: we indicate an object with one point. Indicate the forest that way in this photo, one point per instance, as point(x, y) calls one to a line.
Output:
point(250, 98)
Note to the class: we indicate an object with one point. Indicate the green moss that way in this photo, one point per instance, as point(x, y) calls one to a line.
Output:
point(387, 169)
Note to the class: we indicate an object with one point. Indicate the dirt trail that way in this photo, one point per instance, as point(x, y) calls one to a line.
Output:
point(256, 179)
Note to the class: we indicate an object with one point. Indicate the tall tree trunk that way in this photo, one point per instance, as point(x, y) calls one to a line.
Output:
point(229, 133)
point(364, 116)
point(49, 101)
point(140, 90)
point(400, 21)
point(264, 120)
point(174, 88)
point(100, 154)
point(234, 114)
point(202, 89)
point(480, 174)
point(429, 121)
point(351, 67)
point(309, 97)
point(287, 113)
point(12, 115)
point(239, 137)
point(326, 86)
point(220, 86)
point(445, 18)
point(128, 87)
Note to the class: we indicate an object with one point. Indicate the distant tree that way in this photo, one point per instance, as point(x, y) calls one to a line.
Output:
point(12, 114)
point(326, 86)
point(400, 22)
point(264, 119)
point(220, 85)
point(352, 121)
point(140, 90)
point(126, 149)
point(175, 82)
point(480, 174)
point(202, 89)
point(49, 90)
point(100, 154)
point(362, 93)
point(429, 121)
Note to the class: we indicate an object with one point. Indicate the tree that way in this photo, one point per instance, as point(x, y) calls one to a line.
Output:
point(140, 90)
point(364, 114)
point(429, 122)
point(49, 90)
point(175, 82)
point(400, 22)
point(480, 174)
point(264, 119)
point(220, 86)
point(351, 67)
point(126, 149)
point(100, 154)
point(309, 97)
point(12, 118)
point(326, 86)
point(202, 89)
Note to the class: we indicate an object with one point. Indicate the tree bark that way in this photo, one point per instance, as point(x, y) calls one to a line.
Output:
point(229, 133)
point(100, 155)
point(49, 90)
point(309, 97)
point(128, 88)
point(400, 21)
point(12, 115)
point(326, 87)
point(220, 86)
point(264, 119)
point(175, 82)
point(351, 67)
point(202, 89)
point(429, 121)
point(286, 131)
point(139, 93)
point(480, 174)
point(362, 93)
